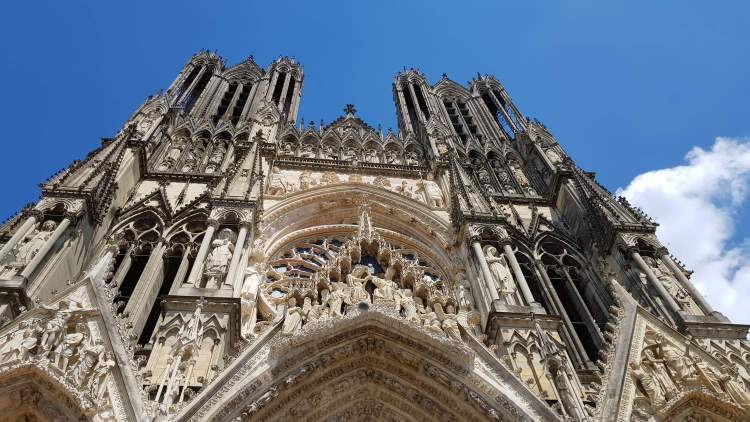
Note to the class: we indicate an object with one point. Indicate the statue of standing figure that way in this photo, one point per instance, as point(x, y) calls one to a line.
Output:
point(506, 287)
point(432, 192)
point(217, 262)
point(293, 318)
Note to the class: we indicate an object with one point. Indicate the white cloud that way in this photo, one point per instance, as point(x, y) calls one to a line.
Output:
point(696, 206)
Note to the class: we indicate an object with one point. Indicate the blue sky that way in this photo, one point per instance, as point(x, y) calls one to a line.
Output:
point(627, 87)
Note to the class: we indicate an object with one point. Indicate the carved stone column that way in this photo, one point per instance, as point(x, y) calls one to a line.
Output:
point(147, 288)
point(644, 268)
point(520, 279)
point(236, 254)
point(124, 267)
point(20, 233)
point(488, 277)
point(195, 272)
point(686, 284)
point(31, 266)
point(179, 278)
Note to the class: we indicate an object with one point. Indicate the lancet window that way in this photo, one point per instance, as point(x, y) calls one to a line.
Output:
point(490, 100)
point(583, 309)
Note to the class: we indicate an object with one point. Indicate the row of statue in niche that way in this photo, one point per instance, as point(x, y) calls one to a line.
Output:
point(193, 156)
point(424, 190)
point(353, 293)
point(394, 156)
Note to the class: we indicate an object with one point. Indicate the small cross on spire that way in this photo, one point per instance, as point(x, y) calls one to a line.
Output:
point(350, 109)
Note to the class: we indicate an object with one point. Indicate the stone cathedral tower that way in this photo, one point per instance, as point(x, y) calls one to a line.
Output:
point(220, 259)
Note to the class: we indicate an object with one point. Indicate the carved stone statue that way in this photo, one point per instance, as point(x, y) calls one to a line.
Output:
point(330, 152)
point(293, 319)
point(190, 162)
point(307, 151)
point(175, 150)
point(406, 302)
point(248, 297)
point(277, 185)
point(385, 290)
point(450, 323)
point(26, 250)
point(431, 321)
point(339, 295)
point(506, 287)
point(217, 156)
point(520, 176)
point(650, 386)
point(356, 281)
point(465, 297)
point(411, 158)
point(731, 385)
point(404, 189)
point(56, 326)
point(88, 359)
point(432, 192)
point(306, 180)
point(98, 382)
point(391, 156)
point(68, 347)
point(217, 262)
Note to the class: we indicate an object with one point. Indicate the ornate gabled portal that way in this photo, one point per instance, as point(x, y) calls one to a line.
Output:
point(368, 365)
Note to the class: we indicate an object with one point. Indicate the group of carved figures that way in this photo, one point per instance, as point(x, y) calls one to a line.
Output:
point(426, 191)
point(190, 156)
point(26, 249)
point(353, 153)
point(81, 358)
point(352, 293)
point(662, 372)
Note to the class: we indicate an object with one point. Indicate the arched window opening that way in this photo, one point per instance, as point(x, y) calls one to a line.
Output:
point(189, 80)
point(276, 97)
point(422, 102)
point(508, 109)
point(191, 99)
point(570, 304)
point(505, 126)
point(289, 96)
point(585, 313)
point(411, 110)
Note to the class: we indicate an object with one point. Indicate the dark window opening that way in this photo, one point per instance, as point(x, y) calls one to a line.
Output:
point(574, 314)
point(240, 105)
point(225, 101)
point(422, 102)
point(456, 121)
point(189, 80)
point(196, 92)
point(508, 109)
point(276, 98)
point(289, 96)
point(499, 116)
point(130, 280)
point(410, 107)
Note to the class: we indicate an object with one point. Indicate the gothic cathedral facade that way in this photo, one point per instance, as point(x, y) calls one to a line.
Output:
point(220, 259)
